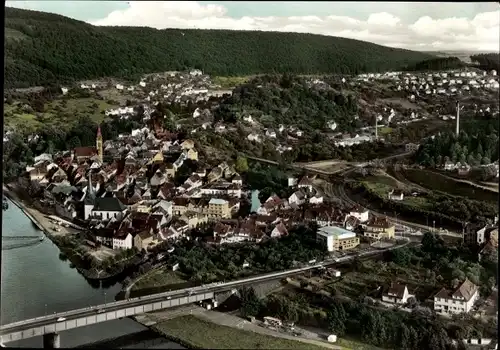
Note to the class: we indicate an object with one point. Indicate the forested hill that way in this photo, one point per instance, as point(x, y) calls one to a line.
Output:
point(43, 48)
point(439, 63)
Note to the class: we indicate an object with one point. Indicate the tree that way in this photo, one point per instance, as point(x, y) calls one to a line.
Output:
point(250, 302)
point(241, 164)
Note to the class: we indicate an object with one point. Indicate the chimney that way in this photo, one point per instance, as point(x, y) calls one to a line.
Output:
point(458, 119)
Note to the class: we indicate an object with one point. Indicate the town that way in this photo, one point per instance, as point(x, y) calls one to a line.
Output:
point(133, 204)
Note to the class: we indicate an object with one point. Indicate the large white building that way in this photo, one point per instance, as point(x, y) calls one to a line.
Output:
point(337, 238)
point(363, 215)
point(458, 301)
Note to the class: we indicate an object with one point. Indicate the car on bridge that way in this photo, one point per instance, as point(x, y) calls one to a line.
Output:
point(61, 319)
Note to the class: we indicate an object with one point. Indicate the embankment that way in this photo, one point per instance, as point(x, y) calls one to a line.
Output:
point(65, 242)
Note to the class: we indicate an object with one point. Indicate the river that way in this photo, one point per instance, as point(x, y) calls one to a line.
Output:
point(35, 282)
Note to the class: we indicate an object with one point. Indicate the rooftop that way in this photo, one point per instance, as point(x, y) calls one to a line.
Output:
point(217, 201)
point(336, 232)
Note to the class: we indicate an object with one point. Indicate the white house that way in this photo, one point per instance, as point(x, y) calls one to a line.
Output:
point(123, 242)
point(270, 133)
point(316, 199)
point(396, 195)
point(298, 198)
point(360, 213)
point(253, 137)
point(248, 119)
point(396, 294)
point(455, 302)
point(196, 113)
point(292, 181)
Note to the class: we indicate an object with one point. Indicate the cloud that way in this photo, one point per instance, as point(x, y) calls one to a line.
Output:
point(481, 33)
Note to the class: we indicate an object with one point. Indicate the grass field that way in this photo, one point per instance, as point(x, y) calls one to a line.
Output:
point(438, 182)
point(200, 334)
point(158, 278)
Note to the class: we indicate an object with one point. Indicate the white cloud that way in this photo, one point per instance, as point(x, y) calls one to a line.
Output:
point(482, 33)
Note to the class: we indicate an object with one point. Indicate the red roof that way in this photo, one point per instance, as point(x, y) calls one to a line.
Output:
point(85, 151)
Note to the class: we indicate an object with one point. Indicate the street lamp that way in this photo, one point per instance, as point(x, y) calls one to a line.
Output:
point(433, 226)
point(104, 298)
point(45, 309)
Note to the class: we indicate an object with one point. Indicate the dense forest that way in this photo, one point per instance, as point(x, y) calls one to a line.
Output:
point(487, 61)
point(42, 48)
point(274, 100)
point(477, 144)
point(437, 64)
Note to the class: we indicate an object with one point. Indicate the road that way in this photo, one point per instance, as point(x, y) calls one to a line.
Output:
point(215, 287)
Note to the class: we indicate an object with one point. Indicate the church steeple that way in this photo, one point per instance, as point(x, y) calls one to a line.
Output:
point(99, 143)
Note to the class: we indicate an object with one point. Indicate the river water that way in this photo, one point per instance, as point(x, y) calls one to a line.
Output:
point(35, 282)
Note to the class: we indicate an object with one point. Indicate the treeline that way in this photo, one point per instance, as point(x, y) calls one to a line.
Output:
point(437, 64)
point(205, 263)
point(477, 144)
point(487, 61)
point(42, 48)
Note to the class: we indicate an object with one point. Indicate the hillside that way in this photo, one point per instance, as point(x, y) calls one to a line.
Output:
point(43, 48)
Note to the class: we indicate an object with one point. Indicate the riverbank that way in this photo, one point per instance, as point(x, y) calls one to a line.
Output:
point(62, 236)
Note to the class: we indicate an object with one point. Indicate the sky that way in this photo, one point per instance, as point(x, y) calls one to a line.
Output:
point(428, 26)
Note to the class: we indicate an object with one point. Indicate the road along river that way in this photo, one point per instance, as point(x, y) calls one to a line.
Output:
point(35, 282)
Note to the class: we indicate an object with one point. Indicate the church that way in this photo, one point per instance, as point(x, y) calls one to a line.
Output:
point(100, 208)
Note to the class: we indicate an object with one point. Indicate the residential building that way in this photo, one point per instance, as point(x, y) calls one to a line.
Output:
point(411, 147)
point(396, 294)
point(192, 154)
point(123, 241)
point(143, 239)
point(305, 182)
point(298, 198)
point(396, 195)
point(463, 169)
point(360, 213)
point(316, 199)
point(379, 228)
point(337, 238)
point(219, 208)
point(455, 302)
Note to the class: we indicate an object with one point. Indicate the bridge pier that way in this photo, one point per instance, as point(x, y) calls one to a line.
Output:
point(51, 341)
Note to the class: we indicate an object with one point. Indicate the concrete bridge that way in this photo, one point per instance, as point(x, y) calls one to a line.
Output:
point(50, 326)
